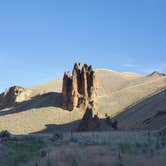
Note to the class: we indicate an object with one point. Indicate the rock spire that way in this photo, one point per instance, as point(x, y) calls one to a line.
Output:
point(79, 88)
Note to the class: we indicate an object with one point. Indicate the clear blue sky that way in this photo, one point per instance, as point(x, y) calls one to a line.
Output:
point(40, 39)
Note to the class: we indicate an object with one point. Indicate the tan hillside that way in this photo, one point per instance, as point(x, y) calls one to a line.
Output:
point(50, 86)
point(116, 92)
point(124, 93)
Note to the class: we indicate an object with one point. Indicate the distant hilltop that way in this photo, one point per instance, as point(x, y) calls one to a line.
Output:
point(156, 73)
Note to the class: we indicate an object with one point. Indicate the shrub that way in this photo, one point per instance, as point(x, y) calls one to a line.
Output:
point(5, 134)
point(56, 137)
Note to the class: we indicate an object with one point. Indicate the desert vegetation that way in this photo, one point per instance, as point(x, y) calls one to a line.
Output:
point(74, 149)
point(19, 149)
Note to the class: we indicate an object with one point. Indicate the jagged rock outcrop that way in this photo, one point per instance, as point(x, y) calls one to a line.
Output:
point(156, 73)
point(79, 88)
point(13, 95)
point(89, 122)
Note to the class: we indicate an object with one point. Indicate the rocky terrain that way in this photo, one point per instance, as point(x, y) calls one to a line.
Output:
point(136, 101)
point(71, 120)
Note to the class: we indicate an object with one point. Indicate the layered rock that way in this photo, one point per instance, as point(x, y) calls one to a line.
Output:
point(79, 88)
point(89, 122)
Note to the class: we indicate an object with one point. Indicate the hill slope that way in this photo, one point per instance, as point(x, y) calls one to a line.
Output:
point(117, 91)
point(149, 113)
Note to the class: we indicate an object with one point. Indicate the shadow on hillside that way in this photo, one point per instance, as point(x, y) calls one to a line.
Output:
point(151, 112)
point(51, 99)
point(67, 127)
point(73, 127)
point(148, 112)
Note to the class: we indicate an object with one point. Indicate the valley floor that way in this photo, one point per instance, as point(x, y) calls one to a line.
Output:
point(115, 148)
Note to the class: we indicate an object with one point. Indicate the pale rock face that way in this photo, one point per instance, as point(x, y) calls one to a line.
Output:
point(80, 88)
point(13, 95)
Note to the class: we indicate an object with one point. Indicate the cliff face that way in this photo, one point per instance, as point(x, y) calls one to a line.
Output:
point(79, 88)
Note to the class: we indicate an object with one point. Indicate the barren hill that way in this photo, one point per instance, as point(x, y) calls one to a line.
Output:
point(118, 93)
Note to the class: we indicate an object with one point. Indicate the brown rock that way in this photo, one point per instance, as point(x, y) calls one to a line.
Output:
point(88, 122)
point(74, 95)
point(66, 95)
point(80, 88)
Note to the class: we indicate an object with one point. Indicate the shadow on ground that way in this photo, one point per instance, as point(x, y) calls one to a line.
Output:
point(149, 113)
point(67, 127)
point(74, 127)
point(51, 99)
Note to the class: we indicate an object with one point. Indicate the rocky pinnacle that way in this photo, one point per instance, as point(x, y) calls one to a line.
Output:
point(79, 88)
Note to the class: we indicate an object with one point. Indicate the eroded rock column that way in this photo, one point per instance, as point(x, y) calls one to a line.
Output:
point(80, 88)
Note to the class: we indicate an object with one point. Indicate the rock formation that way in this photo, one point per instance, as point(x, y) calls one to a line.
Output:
point(13, 95)
point(157, 73)
point(89, 122)
point(79, 88)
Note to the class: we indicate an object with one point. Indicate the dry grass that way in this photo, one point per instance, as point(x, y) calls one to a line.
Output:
point(35, 120)
point(103, 148)
point(116, 92)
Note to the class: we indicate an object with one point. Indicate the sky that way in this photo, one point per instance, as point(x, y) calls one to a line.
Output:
point(40, 39)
